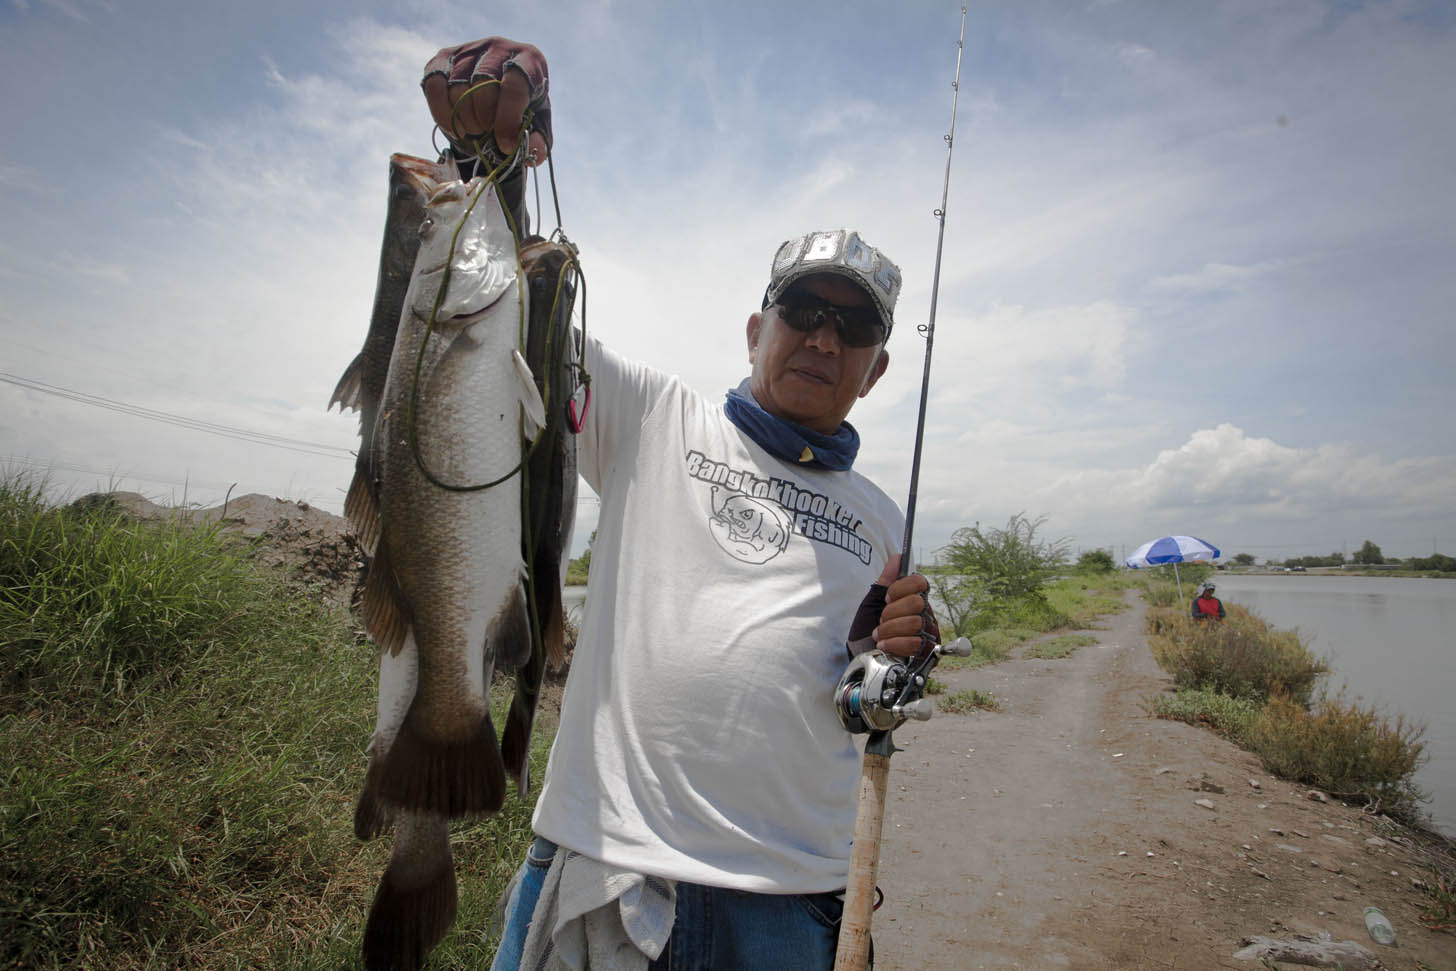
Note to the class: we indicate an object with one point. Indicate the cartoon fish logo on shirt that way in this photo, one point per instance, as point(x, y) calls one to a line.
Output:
point(748, 529)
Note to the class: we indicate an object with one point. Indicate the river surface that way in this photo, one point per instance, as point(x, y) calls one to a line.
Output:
point(1389, 640)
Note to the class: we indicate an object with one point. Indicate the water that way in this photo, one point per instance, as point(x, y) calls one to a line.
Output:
point(1389, 640)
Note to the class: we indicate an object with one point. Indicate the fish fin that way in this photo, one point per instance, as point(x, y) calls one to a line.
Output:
point(516, 739)
point(555, 633)
point(398, 681)
point(371, 816)
point(508, 635)
point(546, 572)
point(460, 777)
point(387, 615)
point(535, 408)
point(361, 510)
point(416, 901)
point(509, 640)
point(346, 392)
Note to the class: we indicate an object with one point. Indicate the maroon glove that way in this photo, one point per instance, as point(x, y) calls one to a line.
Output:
point(884, 609)
point(493, 110)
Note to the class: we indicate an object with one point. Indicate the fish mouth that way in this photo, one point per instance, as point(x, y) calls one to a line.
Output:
point(475, 316)
point(462, 319)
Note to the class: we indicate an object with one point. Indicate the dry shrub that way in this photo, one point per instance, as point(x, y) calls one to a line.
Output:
point(1350, 750)
point(1242, 656)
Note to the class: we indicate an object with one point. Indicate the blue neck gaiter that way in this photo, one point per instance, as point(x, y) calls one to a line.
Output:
point(787, 440)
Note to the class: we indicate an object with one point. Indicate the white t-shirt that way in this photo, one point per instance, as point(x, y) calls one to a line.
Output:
point(698, 737)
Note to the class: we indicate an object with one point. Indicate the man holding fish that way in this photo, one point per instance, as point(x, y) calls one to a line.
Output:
point(699, 803)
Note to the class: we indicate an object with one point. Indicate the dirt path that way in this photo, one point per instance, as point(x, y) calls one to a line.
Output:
point(1064, 831)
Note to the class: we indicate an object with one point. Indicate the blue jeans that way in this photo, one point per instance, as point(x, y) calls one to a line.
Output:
point(713, 929)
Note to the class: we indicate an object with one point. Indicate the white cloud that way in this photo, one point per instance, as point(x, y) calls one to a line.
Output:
point(1253, 489)
point(1214, 278)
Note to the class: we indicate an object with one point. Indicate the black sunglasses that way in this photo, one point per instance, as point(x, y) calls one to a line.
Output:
point(855, 326)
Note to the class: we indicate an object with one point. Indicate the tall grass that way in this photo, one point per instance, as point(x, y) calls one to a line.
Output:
point(182, 735)
point(88, 598)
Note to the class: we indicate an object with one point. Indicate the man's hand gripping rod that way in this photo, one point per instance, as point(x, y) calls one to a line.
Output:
point(877, 693)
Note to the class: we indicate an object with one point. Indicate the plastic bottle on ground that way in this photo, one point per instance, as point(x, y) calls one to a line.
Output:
point(1380, 930)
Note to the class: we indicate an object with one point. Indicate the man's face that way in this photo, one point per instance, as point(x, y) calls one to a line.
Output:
point(812, 378)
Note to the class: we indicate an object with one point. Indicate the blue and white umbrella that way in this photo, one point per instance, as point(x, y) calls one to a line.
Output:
point(1174, 550)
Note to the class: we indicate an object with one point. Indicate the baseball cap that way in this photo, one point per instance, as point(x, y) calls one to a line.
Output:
point(843, 253)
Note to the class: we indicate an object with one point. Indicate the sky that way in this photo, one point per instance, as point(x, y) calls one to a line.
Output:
point(1196, 277)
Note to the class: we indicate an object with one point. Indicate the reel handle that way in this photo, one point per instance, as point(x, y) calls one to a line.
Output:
point(960, 647)
point(920, 709)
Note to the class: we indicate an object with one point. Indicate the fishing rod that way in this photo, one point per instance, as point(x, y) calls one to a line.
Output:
point(877, 693)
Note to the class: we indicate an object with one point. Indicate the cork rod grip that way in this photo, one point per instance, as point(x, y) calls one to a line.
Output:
point(853, 950)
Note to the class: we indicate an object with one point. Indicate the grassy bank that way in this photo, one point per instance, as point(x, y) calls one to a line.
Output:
point(182, 735)
point(1068, 603)
point(1262, 688)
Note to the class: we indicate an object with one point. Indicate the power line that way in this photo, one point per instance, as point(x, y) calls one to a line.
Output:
point(114, 474)
point(181, 421)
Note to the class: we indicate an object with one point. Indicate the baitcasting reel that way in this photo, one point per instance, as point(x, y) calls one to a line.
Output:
point(878, 692)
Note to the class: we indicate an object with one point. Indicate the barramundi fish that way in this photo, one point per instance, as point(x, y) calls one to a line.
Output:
point(464, 495)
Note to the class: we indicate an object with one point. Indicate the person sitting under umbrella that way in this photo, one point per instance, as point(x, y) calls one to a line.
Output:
point(1206, 606)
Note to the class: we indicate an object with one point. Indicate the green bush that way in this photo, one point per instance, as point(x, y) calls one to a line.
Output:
point(994, 566)
point(1158, 592)
point(1349, 750)
point(1229, 716)
point(1095, 561)
point(1032, 611)
point(1242, 656)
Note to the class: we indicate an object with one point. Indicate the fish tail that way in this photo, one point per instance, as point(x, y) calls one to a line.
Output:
point(460, 777)
point(416, 900)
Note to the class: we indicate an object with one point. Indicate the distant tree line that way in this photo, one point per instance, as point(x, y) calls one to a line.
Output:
point(1369, 554)
point(1436, 561)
